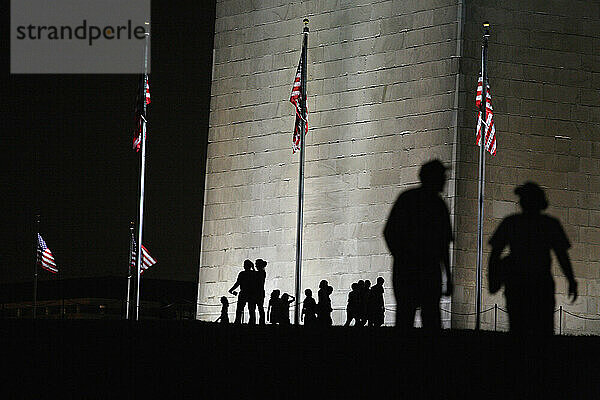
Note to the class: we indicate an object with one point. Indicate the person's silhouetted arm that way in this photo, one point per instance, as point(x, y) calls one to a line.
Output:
point(235, 286)
point(565, 265)
point(449, 282)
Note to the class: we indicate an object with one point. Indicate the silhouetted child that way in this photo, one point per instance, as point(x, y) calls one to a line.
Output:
point(285, 301)
point(224, 318)
point(309, 309)
point(273, 307)
point(352, 307)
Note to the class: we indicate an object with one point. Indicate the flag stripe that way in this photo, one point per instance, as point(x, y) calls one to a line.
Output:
point(147, 259)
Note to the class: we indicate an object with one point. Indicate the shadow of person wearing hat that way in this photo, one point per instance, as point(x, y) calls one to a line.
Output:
point(418, 233)
point(525, 271)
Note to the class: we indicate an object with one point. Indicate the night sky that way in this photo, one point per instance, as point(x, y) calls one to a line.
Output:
point(68, 156)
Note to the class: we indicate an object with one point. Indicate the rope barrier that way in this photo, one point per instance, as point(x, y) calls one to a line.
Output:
point(581, 317)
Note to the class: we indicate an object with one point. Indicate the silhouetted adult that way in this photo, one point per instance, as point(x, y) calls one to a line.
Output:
point(246, 283)
point(324, 305)
point(352, 306)
point(309, 309)
point(525, 271)
point(260, 276)
point(375, 306)
point(418, 234)
point(364, 303)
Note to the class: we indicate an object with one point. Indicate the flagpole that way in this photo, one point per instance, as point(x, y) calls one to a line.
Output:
point(37, 260)
point(483, 109)
point(127, 299)
point(301, 175)
point(142, 182)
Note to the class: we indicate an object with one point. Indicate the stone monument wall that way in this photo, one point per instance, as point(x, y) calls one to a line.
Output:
point(391, 84)
point(382, 84)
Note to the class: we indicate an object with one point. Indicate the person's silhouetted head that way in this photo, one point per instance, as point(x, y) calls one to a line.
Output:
point(248, 265)
point(323, 284)
point(308, 293)
point(224, 301)
point(367, 284)
point(354, 287)
point(531, 197)
point(361, 284)
point(285, 297)
point(275, 294)
point(433, 175)
point(260, 264)
point(329, 289)
point(380, 281)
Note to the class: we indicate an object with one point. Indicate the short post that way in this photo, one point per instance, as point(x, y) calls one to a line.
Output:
point(495, 316)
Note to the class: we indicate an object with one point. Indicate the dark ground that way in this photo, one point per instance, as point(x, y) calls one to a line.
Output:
point(185, 359)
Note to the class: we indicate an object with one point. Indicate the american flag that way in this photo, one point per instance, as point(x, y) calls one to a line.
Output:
point(139, 113)
point(147, 260)
point(147, 90)
point(296, 100)
point(44, 256)
point(490, 129)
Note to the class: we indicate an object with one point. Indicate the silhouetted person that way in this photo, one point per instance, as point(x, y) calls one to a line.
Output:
point(324, 305)
point(352, 306)
point(364, 302)
point(525, 272)
point(284, 308)
point(361, 290)
point(418, 234)
point(309, 309)
point(246, 283)
point(260, 276)
point(375, 306)
point(273, 307)
point(224, 318)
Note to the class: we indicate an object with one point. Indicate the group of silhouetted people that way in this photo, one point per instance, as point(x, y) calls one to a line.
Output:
point(251, 282)
point(418, 233)
point(278, 311)
point(365, 304)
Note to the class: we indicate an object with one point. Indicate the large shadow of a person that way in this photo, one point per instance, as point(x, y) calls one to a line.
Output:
point(418, 234)
point(525, 271)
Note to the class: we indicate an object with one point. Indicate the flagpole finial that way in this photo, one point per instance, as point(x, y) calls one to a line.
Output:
point(305, 20)
point(486, 28)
